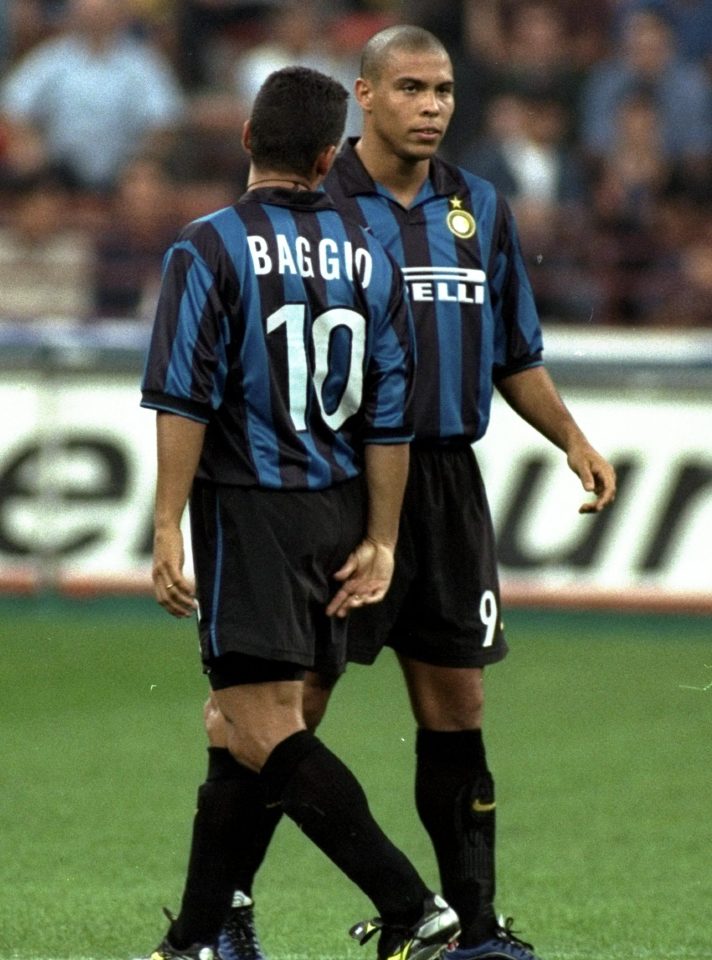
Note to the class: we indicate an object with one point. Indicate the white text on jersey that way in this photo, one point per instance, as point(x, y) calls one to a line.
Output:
point(446, 284)
point(299, 257)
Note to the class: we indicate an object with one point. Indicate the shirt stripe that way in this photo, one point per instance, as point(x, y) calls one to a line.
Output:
point(286, 327)
point(473, 309)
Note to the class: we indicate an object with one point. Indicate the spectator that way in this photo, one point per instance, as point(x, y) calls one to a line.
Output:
point(298, 34)
point(525, 151)
point(89, 99)
point(690, 19)
point(488, 22)
point(203, 28)
point(636, 169)
point(45, 264)
point(156, 22)
point(540, 49)
point(529, 44)
point(23, 24)
point(693, 26)
point(687, 301)
point(443, 19)
point(293, 36)
point(631, 181)
point(5, 35)
point(207, 158)
point(647, 57)
point(129, 250)
point(526, 155)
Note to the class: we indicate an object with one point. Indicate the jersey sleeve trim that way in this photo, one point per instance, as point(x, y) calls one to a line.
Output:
point(385, 435)
point(501, 373)
point(154, 400)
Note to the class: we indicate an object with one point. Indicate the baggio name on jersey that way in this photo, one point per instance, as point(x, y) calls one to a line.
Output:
point(300, 257)
point(446, 284)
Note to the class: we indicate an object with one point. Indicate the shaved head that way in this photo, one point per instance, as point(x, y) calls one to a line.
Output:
point(398, 38)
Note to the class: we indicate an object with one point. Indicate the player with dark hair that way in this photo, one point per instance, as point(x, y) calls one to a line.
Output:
point(476, 329)
point(280, 367)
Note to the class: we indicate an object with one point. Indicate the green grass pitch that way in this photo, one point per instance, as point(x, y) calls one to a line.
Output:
point(599, 732)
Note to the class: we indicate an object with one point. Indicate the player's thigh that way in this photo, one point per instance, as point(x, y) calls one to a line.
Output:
point(214, 722)
point(264, 562)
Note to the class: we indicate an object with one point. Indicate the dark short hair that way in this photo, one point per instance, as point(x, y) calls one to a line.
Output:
point(399, 37)
point(297, 113)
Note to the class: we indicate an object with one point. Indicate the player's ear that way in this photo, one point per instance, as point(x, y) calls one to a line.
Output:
point(363, 93)
point(247, 136)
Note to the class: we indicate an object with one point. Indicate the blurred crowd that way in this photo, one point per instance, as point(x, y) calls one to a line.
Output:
point(120, 120)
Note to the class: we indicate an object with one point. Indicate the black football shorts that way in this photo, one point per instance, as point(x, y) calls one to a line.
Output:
point(263, 563)
point(443, 606)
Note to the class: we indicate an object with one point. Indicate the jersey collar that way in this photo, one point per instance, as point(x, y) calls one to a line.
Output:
point(355, 179)
point(283, 197)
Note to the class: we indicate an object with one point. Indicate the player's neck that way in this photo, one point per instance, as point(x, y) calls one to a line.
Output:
point(403, 177)
point(274, 178)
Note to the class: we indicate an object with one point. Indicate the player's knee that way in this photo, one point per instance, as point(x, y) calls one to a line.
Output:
point(453, 715)
point(472, 699)
point(246, 748)
point(463, 709)
point(215, 724)
point(447, 698)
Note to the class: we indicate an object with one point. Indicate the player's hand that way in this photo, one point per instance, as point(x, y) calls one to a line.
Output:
point(365, 578)
point(597, 476)
point(172, 590)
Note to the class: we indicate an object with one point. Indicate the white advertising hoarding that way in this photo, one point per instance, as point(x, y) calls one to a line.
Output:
point(77, 471)
point(652, 546)
point(77, 467)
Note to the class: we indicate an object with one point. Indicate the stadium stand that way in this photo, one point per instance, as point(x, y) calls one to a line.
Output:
point(607, 165)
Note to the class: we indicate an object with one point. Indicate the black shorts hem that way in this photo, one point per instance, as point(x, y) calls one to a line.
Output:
point(443, 658)
point(236, 669)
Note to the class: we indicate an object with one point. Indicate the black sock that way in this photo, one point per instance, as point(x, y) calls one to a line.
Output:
point(454, 793)
point(231, 832)
point(322, 796)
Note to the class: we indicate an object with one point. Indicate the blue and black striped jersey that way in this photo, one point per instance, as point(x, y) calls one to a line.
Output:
point(285, 328)
point(472, 302)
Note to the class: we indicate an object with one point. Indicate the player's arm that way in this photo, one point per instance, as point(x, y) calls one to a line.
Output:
point(179, 442)
point(533, 395)
point(366, 575)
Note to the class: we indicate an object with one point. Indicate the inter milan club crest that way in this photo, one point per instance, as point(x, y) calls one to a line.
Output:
point(459, 221)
